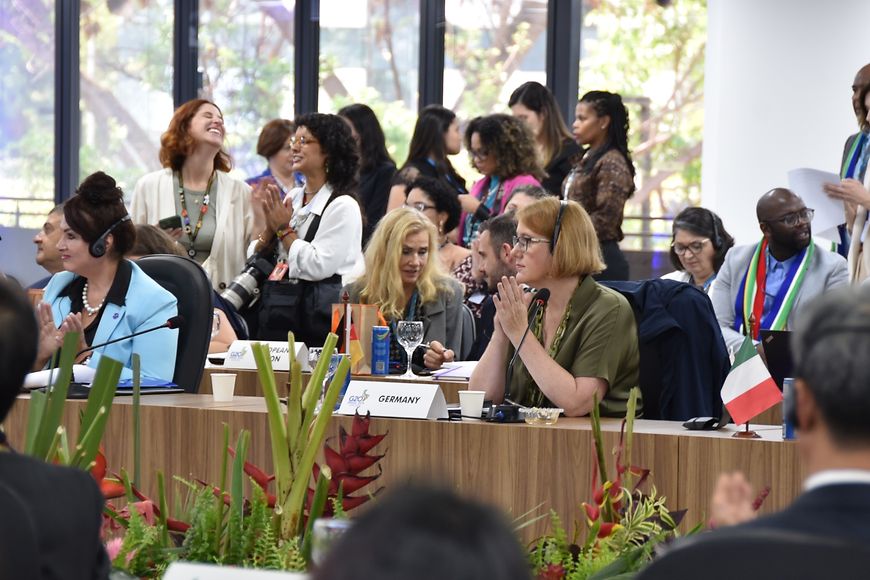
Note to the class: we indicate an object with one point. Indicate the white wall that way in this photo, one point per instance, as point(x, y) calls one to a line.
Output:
point(777, 96)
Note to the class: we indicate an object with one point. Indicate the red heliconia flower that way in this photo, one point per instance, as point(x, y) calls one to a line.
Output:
point(255, 473)
point(762, 495)
point(592, 512)
point(111, 488)
point(606, 529)
point(552, 572)
point(348, 462)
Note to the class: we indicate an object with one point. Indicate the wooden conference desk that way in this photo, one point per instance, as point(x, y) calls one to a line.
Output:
point(515, 467)
point(248, 382)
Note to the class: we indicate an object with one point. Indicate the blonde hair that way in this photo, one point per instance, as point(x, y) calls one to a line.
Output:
point(382, 284)
point(577, 252)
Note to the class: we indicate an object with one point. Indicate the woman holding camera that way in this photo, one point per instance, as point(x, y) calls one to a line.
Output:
point(404, 278)
point(316, 230)
point(100, 294)
point(582, 342)
point(194, 198)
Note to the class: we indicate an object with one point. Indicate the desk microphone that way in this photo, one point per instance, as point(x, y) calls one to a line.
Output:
point(508, 411)
point(172, 323)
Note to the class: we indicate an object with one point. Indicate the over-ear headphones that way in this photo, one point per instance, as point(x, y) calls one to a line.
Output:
point(717, 237)
point(558, 228)
point(98, 246)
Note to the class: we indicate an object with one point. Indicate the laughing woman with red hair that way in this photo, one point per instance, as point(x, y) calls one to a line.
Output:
point(215, 209)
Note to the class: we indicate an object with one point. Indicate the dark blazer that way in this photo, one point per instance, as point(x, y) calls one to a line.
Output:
point(374, 193)
point(65, 506)
point(683, 360)
point(840, 511)
point(560, 166)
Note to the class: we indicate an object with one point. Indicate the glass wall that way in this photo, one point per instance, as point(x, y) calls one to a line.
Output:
point(246, 61)
point(653, 57)
point(27, 46)
point(369, 53)
point(126, 86)
point(491, 47)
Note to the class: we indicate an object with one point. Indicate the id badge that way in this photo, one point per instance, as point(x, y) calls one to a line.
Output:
point(279, 271)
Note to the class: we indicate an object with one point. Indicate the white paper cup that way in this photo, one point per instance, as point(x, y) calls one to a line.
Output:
point(471, 403)
point(222, 386)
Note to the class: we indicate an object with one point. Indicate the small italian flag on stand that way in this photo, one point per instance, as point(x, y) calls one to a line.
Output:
point(749, 389)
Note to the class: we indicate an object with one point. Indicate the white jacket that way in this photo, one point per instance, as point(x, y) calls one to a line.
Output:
point(154, 199)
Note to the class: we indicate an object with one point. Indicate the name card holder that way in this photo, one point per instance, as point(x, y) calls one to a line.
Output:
point(394, 399)
point(241, 355)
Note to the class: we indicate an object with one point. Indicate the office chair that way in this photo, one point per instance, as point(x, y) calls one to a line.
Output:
point(187, 281)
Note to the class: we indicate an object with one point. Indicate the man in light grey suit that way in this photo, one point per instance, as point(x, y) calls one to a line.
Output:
point(780, 274)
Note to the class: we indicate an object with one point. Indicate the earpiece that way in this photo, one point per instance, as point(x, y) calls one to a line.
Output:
point(98, 247)
point(717, 237)
point(558, 228)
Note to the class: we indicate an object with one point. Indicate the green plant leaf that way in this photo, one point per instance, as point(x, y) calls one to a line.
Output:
point(277, 427)
point(53, 412)
point(321, 493)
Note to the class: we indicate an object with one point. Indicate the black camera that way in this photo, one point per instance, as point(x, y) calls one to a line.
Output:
point(244, 290)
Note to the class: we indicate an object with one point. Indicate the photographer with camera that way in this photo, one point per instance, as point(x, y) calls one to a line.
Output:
point(311, 239)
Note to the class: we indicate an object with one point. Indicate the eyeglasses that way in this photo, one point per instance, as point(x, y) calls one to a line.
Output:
point(694, 247)
point(478, 155)
point(420, 206)
point(792, 219)
point(522, 242)
point(302, 141)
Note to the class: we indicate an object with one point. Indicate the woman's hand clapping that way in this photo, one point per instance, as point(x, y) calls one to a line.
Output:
point(511, 306)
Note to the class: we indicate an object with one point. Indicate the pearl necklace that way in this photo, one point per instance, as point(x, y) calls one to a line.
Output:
point(91, 311)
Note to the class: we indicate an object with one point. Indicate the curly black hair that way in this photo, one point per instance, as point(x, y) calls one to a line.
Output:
point(339, 147)
point(444, 198)
point(510, 142)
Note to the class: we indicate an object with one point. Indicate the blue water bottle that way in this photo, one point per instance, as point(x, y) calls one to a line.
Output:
point(380, 350)
point(788, 409)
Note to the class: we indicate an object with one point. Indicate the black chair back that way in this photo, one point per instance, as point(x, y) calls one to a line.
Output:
point(756, 554)
point(187, 281)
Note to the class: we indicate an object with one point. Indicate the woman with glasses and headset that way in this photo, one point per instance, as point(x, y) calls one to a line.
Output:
point(698, 247)
point(101, 295)
point(582, 342)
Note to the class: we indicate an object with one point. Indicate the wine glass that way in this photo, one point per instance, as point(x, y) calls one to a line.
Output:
point(215, 324)
point(410, 335)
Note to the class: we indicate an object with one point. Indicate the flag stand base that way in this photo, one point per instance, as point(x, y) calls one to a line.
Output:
point(747, 434)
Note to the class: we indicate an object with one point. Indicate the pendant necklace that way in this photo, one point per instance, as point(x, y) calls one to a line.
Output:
point(192, 233)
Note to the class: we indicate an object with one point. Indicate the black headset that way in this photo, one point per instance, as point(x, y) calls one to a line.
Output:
point(98, 246)
point(558, 228)
point(717, 238)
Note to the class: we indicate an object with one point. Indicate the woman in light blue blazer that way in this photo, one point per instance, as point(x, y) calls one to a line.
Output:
point(101, 295)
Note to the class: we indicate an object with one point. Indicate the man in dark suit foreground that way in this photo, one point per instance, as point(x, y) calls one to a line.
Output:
point(825, 532)
point(64, 505)
point(832, 417)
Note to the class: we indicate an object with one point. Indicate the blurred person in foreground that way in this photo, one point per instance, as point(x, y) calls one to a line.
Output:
point(427, 533)
point(832, 404)
point(64, 504)
point(582, 343)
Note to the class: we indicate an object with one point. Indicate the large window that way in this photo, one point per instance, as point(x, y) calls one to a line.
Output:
point(246, 60)
point(27, 47)
point(369, 53)
point(654, 57)
point(126, 86)
point(491, 48)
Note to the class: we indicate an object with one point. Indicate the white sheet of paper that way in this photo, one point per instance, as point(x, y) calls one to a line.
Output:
point(808, 184)
point(455, 370)
point(81, 374)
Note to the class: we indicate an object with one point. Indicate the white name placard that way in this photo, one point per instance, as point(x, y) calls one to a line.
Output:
point(241, 355)
point(394, 399)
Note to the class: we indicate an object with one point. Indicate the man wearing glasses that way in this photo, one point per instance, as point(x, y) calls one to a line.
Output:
point(763, 286)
